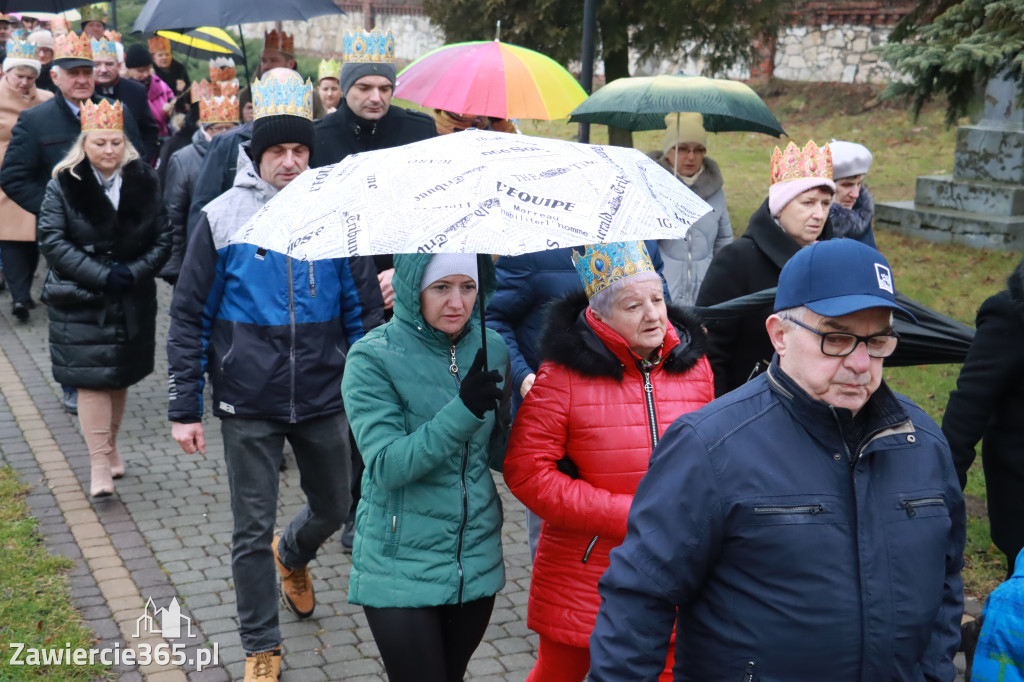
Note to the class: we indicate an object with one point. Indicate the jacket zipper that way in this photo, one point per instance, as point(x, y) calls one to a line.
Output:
point(454, 369)
point(796, 509)
point(912, 505)
point(749, 676)
point(291, 354)
point(652, 421)
point(590, 548)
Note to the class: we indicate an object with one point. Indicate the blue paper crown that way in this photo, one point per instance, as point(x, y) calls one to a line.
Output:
point(104, 49)
point(369, 47)
point(271, 97)
point(22, 49)
point(601, 265)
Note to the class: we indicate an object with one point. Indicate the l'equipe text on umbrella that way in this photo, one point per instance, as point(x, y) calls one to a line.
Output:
point(534, 199)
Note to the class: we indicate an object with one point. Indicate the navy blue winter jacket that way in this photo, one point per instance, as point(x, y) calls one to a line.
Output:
point(789, 557)
point(271, 331)
point(525, 284)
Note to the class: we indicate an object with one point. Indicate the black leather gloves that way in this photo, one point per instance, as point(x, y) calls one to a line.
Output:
point(479, 390)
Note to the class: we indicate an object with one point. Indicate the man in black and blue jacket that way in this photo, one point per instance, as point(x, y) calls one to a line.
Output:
point(272, 332)
point(809, 525)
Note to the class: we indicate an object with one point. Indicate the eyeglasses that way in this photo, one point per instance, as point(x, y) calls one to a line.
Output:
point(841, 344)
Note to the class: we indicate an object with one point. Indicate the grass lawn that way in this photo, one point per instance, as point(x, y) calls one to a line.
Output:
point(953, 280)
point(35, 607)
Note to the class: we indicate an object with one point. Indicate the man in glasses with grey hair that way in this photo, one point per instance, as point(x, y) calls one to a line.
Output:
point(808, 525)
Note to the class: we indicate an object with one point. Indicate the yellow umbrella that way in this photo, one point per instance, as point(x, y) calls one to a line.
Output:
point(204, 42)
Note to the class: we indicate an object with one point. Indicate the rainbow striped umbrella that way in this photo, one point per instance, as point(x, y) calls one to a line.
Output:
point(490, 78)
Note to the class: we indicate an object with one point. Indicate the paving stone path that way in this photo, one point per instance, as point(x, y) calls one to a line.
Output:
point(166, 536)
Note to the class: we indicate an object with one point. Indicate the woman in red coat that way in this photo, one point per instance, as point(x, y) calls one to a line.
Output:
point(618, 370)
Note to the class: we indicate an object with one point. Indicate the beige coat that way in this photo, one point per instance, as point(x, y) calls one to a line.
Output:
point(16, 224)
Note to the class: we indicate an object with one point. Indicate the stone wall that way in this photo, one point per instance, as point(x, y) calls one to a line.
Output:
point(323, 36)
point(843, 53)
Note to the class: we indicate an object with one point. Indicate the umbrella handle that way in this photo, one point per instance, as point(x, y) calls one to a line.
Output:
point(481, 264)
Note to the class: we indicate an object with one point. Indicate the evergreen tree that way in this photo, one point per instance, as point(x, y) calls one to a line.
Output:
point(722, 32)
point(955, 47)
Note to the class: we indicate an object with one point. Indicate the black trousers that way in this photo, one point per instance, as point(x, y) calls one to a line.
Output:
point(432, 644)
point(19, 261)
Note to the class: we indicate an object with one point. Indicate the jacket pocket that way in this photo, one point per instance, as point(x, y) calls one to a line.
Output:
point(917, 537)
point(392, 523)
point(230, 349)
point(66, 294)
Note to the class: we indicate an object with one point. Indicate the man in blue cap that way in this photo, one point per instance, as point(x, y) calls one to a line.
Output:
point(806, 526)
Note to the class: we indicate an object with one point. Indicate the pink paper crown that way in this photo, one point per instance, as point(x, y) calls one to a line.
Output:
point(794, 163)
point(72, 46)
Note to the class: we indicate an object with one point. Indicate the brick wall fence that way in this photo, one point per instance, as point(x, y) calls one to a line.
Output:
point(835, 41)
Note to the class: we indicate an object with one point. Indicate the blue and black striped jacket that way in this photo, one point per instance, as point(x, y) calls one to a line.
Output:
point(271, 331)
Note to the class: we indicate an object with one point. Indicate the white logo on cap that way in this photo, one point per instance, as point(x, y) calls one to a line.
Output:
point(884, 277)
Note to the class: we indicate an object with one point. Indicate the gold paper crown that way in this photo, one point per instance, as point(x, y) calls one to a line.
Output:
point(114, 36)
point(218, 110)
point(22, 49)
point(369, 47)
point(94, 12)
point(59, 26)
point(329, 69)
point(159, 44)
point(226, 88)
point(290, 97)
point(104, 49)
point(6, 17)
point(601, 265)
point(279, 41)
point(102, 116)
point(795, 163)
point(72, 46)
point(222, 69)
point(201, 90)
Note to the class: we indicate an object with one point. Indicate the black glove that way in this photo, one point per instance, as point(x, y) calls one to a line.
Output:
point(119, 279)
point(479, 390)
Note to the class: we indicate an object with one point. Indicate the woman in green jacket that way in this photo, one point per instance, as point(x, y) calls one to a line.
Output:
point(428, 419)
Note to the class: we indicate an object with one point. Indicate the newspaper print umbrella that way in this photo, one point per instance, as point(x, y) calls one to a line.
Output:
point(474, 192)
point(642, 102)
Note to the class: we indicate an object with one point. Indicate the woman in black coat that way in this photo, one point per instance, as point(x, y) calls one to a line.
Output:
point(794, 215)
point(103, 231)
point(988, 405)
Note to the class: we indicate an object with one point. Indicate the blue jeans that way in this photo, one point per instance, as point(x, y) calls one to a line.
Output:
point(253, 449)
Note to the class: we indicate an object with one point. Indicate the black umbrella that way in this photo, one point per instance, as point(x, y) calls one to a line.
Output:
point(176, 14)
point(53, 6)
point(934, 340)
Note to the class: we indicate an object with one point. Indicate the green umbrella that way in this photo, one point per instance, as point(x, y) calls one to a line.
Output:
point(642, 102)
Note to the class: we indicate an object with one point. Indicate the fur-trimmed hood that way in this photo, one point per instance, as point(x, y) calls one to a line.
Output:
point(569, 340)
point(84, 194)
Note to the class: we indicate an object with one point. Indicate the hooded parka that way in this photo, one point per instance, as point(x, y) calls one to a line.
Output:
point(100, 340)
point(591, 404)
point(428, 526)
point(750, 264)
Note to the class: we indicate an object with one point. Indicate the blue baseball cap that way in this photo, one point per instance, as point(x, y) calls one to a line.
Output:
point(837, 277)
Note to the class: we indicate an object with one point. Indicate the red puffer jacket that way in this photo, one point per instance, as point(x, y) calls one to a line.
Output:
point(589, 404)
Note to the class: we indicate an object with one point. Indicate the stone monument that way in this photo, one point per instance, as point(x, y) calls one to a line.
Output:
point(982, 203)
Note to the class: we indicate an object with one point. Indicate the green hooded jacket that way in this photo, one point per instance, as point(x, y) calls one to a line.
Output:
point(428, 526)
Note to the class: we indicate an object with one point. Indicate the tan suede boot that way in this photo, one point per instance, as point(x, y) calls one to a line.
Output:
point(263, 667)
point(101, 483)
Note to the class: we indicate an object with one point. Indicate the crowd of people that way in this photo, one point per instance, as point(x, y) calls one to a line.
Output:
point(741, 498)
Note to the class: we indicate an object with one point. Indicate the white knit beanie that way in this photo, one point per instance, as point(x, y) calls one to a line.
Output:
point(444, 264)
point(849, 159)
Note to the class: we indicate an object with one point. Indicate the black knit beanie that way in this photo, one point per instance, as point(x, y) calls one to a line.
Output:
point(280, 129)
point(353, 71)
point(137, 56)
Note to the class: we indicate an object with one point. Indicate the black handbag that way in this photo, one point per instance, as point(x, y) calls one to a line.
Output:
point(64, 294)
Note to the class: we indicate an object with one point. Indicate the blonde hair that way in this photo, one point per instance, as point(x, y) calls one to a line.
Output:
point(76, 155)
